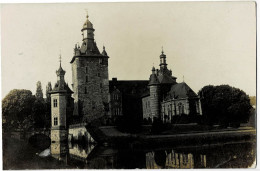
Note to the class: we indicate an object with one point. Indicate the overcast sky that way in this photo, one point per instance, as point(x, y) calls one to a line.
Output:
point(206, 42)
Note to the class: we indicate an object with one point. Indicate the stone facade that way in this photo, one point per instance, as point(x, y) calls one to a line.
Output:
point(58, 135)
point(115, 103)
point(90, 77)
point(147, 113)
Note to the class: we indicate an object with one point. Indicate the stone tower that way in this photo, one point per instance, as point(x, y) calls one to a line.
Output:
point(59, 98)
point(89, 77)
point(154, 87)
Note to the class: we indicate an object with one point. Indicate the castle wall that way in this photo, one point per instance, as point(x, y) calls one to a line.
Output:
point(154, 100)
point(90, 85)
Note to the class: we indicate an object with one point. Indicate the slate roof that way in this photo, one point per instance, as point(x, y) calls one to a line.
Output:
point(181, 90)
point(165, 79)
point(87, 24)
point(153, 80)
point(63, 89)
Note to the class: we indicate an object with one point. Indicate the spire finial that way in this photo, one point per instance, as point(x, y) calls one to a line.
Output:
point(60, 58)
point(162, 50)
point(104, 47)
point(87, 12)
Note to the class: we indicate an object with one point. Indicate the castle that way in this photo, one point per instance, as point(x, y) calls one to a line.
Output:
point(94, 96)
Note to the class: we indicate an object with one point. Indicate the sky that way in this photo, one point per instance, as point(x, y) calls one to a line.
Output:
point(206, 43)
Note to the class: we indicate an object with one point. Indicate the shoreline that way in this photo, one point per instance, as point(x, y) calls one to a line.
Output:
point(111, 136)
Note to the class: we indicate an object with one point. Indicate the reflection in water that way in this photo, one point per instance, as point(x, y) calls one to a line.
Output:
point(59, 151)
point(240, 155)
point(79, 153)
point(172, 160)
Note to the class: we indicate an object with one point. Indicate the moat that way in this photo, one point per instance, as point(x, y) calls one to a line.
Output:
point(20, 154)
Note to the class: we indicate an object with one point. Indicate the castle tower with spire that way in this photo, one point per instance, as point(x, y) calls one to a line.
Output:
point(60, 104)
point(89, 77)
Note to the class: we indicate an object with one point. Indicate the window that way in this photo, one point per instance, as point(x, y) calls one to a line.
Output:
point(55, 121)
point(100, 61)
point(86, 70)
point(181, 108)
point(100, 85)
point(98, 74)
point(117, 111)
point(86, 78)
point(55, 102)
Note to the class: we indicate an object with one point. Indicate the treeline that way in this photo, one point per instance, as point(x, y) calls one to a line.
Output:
point(25, 111)
point(225, 105)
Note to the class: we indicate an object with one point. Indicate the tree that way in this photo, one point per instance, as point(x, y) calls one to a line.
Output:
point(48, 89)
point(224, 105)
point(16, 106)
point(39, 94)
point(48, 106)
point(38, 113)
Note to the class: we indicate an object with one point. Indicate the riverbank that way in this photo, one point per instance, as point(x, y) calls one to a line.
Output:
point(198, 135)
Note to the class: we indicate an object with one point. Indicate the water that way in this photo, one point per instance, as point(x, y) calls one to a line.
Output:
point(230, 155)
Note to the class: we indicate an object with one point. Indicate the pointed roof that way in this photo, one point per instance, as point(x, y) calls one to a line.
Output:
point(60, 71)
point(181, 90)
point(153, 78)
point(162, 55)
point(87, 24)
point(58, 88)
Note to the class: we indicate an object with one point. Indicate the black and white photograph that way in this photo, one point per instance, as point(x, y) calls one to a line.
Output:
point(129, 85)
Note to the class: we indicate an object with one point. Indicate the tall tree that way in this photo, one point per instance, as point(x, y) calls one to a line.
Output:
point(38, 112)
point(48, 89)
point(224, 105)
point(39, 94)
point(16, 106)
point(48, 106)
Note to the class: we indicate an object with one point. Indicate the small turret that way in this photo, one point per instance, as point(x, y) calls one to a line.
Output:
point(153, 78)
point(154, 94)
point(104, 53)
point(163, 64)
point(60, 76)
